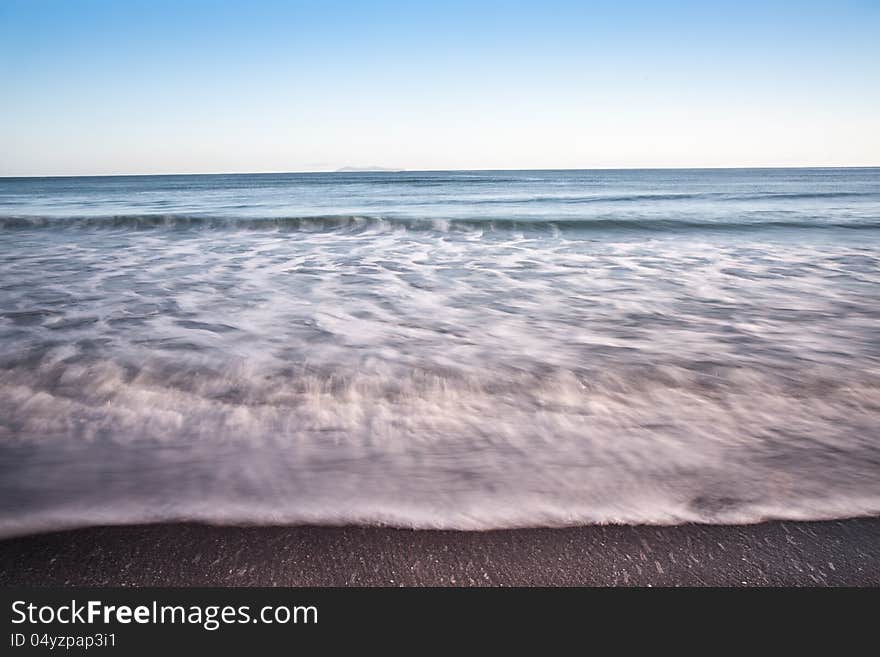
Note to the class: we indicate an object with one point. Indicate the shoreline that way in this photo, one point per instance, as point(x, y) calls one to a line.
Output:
point(781, 553)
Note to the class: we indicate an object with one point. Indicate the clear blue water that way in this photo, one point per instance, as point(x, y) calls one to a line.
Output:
point(440, 349)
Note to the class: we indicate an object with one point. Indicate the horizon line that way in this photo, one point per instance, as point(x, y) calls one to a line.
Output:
point(393, 171)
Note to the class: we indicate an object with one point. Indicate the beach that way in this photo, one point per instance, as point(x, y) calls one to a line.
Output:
point(831, 553)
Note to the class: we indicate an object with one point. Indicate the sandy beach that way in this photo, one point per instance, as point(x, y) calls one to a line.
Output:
point(845, 552)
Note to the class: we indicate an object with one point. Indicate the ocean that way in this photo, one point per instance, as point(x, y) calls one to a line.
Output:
point(468, 349)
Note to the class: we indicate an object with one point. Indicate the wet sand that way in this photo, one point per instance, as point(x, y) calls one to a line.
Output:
point(843, 552)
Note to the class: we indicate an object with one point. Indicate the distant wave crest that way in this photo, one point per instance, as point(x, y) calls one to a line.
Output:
point(715, 197)
point(366, 222)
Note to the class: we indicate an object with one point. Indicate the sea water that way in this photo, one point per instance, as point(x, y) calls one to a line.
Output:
point(471, 349)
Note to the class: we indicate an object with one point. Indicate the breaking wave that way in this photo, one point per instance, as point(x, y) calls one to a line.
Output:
point(377, 222)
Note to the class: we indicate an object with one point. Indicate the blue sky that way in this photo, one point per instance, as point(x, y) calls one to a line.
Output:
point(99, 87)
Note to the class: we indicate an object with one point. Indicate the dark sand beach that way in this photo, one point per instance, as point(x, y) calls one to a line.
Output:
point(841, 552)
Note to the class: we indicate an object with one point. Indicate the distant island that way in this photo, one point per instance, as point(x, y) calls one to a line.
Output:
point(367, 170)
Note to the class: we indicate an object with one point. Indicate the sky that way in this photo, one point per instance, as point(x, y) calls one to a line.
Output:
point(91, 87)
